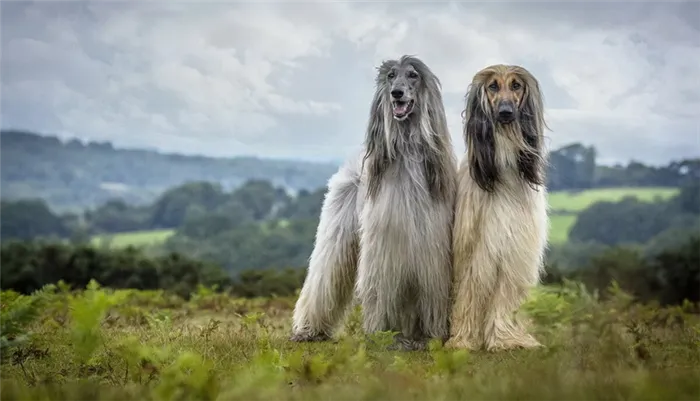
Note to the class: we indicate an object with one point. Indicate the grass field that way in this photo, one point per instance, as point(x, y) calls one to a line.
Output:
point(137, 238)
point(130, 345)
point(576, 202)
point(559, 201)
point(559, 226)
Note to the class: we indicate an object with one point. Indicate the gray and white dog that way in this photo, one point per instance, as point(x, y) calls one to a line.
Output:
point(386, 223)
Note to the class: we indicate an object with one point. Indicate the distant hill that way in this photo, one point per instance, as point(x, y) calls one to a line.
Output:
point(74, 175)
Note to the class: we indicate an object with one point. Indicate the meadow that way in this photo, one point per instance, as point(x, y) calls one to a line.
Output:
point(564, 206)
point(577, 201)
point(100, 344)
point(135, 238)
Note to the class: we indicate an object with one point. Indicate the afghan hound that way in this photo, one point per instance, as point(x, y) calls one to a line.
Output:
point(385, 228)
point(501, 213)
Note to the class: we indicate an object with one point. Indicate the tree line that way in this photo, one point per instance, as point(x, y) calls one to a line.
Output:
point(256, 241)
point(255, 226)
point(29, 265)
point(573, 167)
point(259, 226)
point(72, 175)
point(659, 262)
point(670, 276)
point(186, 207)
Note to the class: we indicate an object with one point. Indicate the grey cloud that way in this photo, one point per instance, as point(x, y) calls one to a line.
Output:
point(576, 14)
point(294, 80)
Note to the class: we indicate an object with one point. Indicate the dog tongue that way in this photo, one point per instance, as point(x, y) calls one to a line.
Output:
point(400, 108)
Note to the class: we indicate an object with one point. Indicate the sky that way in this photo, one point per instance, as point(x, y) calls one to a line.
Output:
point(290, 79)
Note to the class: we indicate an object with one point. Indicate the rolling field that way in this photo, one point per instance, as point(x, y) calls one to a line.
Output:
point(559, 226)
point(558, 201)
point(136, 238)
point(131, 345)
point(576, 202)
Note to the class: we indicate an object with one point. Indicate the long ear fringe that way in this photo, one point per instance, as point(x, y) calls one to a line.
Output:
point(438, 145)
point(531, 162)
point(480, 140)
point(376, 153)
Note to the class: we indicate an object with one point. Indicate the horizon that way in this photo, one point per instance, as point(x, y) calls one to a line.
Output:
point(88, 141)
point(293, 82)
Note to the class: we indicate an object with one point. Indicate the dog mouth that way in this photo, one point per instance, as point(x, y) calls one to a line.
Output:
point(402, 109)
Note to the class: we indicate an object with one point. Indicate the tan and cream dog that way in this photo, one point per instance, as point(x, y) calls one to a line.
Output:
point(501, 217)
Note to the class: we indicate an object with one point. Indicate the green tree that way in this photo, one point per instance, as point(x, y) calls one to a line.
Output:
point(677, 272)
point(627, 221)
point(688, 199)
point(116, 215)
point(624, 265)
point(170, 209)
point(30, 218)
point(258, 197)
point(200, 224)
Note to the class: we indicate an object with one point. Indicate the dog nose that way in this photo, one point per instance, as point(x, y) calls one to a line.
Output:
point(505, 111)
point(397, 93)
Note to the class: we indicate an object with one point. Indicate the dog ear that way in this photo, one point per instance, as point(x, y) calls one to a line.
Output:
point(529, 158)
point(434, 163)
point(480, 140)
point(377, 154)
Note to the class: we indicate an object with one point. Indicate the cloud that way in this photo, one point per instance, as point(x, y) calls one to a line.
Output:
point(290, 79)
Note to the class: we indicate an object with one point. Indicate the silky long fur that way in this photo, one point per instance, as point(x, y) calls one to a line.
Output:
point(385, 226)
point(501, 222)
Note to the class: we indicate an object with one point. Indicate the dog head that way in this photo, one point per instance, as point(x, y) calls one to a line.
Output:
point(504, 100)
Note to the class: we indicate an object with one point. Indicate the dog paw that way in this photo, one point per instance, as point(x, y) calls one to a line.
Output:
point(309, 337)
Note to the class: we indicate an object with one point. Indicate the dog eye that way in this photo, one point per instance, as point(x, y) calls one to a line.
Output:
point(494, 86)
point(515, 85)
point(391, 75)
point(413, 75)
